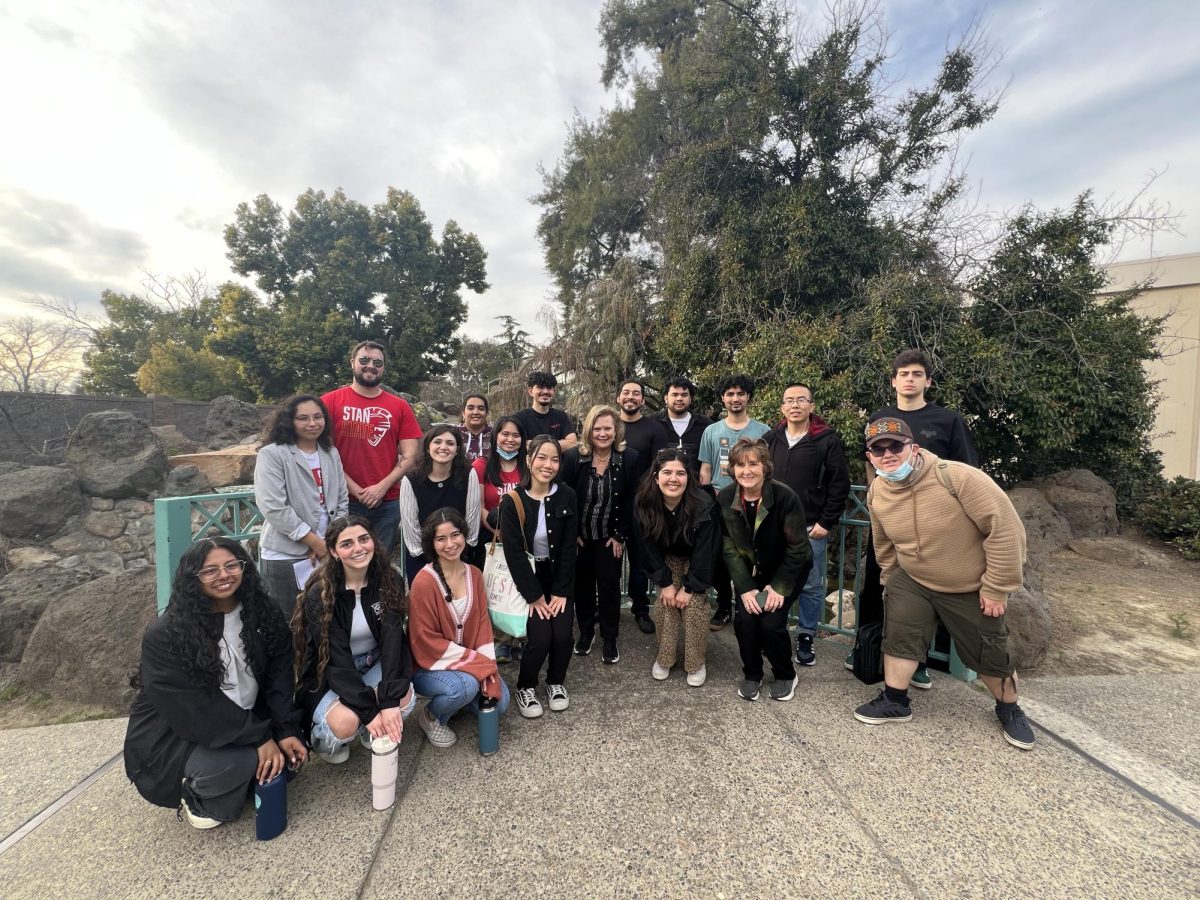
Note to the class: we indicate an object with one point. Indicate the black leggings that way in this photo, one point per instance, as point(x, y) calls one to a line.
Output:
point(547, 638)
point(765, 634)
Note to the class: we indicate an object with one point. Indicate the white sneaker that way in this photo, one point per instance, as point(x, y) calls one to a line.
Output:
point(659, 673)
point(557, 695)
point(338, 756)
point(439, 735)
point(528, 703)
point(696, 679)
point(197, 821)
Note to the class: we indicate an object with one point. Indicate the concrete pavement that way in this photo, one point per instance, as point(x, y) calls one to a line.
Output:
point(656, 789)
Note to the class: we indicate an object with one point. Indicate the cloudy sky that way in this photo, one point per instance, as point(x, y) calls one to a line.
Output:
point(132, 131)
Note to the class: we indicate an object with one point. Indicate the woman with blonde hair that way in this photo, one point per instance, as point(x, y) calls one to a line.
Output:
point(600, 470)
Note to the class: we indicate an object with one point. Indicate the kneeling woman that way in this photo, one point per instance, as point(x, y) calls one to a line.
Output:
point(450, 631)
point(768, 555)
point(214, 708)
point(352, 658)
point(679, 534)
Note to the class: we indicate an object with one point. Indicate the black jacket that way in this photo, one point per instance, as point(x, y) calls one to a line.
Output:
point(689, 441)
point(815, 469)
point(624, 465)
point(562, 528)
point(778, 552)
point(171, 715)
point(341, 675)
point(704, 537)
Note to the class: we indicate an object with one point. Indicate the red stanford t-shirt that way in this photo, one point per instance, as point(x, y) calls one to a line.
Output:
point(492, 493)
point(367, 432)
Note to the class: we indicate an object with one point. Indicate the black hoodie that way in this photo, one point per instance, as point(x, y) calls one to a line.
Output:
point(815, 469)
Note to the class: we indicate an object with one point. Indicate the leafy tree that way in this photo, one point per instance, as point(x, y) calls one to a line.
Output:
point(179, 371)
point(335, 271)
point(514, 340)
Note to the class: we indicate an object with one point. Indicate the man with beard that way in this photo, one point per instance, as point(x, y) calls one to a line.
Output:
point(735, 391)
point(475, 430)
point(542, 417)
point(644, 435)
point(683, 428)
point(378, 439)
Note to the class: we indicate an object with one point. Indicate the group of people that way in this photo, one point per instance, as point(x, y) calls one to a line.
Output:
point(324, 641)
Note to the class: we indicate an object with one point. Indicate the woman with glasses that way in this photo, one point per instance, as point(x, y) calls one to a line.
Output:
point(450, 631)
point(352, 659)
point(444, 479)
point(502, 470)
point(600, 470)
point(767, 553)
point(213, 711)
point(678, 531)
point(538, 528)
point(299, 487)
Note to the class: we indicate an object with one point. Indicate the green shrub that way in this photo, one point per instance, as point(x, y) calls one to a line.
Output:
point(1172, 512)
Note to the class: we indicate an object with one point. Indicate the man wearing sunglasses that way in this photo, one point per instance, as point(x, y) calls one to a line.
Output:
point(378, 439)
point(951, 548)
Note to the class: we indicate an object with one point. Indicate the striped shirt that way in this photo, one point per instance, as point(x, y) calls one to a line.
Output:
point(597, 505)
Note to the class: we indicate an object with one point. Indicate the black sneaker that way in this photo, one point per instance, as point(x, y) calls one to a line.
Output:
point(719, 620)
point(881, 710)
point(784, 690)
point(1017, 730)
point(611, 655)
point(583, 646)
point(749, 690)
point(804, 655)
point(644, 624)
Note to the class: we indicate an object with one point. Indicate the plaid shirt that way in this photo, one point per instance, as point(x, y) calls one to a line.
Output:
point(476, 445)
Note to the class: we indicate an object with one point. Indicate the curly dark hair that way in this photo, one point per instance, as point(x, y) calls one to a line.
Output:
point(429, 530)
point(460, 469)
point(331, 578)
point(282, 431)
point(194, 637)
point(741, 381)
point(650, 508)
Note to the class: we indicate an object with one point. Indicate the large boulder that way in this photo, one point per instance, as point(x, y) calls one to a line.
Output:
point(1029, 625)
point(186, 480)
point(116, 454)
point(88, 641)
point(37, 502)
point(24, 596)
point(220, 468)
point(1084, 500)
point(230, 421)
point(1045, 528)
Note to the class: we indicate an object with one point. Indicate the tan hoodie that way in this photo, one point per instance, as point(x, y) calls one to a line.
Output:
point(975, 542)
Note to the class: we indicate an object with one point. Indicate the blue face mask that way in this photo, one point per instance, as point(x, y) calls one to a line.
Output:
point(899, 475)
point(507, 454)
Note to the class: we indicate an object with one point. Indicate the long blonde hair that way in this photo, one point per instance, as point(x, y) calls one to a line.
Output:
point(597, 412)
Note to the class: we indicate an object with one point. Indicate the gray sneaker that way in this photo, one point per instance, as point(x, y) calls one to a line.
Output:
point(784, 690)
point(881, 711)
point(749, 690)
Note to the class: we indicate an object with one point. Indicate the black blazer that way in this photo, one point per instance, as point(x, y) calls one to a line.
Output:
point(171, 715)
point(704, 537)
point(341, 675)
point(624, 465)
point(562, 528)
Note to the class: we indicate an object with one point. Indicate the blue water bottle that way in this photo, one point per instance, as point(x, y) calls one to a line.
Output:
point(270, 808)
point(489, 727)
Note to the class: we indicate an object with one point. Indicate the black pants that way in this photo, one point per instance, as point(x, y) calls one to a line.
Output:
point(723, 583)
point(765, 634)
point(547, 637)
point(216, 780)
point(597, 583)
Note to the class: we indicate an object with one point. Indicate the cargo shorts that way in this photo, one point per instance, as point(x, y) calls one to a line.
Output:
point(910, 615)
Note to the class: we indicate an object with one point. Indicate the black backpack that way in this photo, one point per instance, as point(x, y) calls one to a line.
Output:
point(868, 653)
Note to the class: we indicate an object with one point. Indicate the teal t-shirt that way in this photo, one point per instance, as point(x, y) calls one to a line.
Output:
point(715, 445)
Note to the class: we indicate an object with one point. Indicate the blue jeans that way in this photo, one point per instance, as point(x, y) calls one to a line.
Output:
point(448, 692)
point(323, 738)
point(812, 595)
point(384, 519)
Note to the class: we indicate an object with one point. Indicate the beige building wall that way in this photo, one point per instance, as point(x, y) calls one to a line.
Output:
point(1176, 293)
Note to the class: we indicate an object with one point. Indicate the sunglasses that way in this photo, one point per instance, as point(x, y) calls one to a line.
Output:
point(370, 361)
point(880, 448)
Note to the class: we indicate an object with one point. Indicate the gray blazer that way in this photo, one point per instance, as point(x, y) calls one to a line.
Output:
point(286, 495)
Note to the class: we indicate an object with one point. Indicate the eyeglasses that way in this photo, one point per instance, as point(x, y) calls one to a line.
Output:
point(796, 401)
point(212, 573)
point(880, 448)
point(369, 361)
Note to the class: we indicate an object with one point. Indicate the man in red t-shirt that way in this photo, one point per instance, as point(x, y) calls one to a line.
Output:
point(378, 438)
